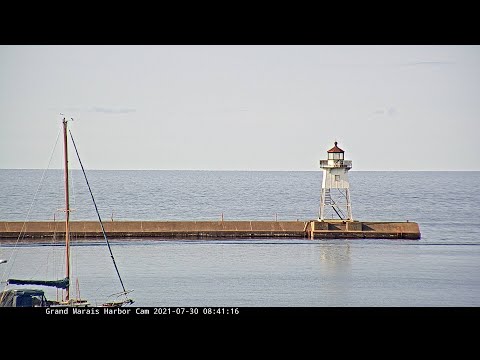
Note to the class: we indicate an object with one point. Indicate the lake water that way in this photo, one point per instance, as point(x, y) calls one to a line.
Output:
point(440, 269)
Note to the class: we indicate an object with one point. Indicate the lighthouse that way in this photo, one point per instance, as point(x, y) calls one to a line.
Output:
point(335, 197)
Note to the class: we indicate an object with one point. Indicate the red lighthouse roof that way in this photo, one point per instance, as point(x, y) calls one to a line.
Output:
point(335, 149)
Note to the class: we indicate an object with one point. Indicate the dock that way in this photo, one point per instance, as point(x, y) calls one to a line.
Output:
point(308, 229)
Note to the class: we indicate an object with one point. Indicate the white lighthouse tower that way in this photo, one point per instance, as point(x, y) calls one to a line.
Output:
point(335, 198)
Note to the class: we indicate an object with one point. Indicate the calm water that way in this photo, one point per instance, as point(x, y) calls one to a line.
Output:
point(441, 269)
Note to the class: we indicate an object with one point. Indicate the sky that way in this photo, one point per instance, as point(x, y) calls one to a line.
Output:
point(242, 107)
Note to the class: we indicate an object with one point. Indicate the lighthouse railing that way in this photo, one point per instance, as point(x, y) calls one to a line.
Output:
point(335, 163)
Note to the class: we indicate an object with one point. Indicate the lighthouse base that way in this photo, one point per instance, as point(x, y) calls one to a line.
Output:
point(336, 229)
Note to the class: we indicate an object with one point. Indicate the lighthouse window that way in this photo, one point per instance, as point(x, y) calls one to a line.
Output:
point(337, 177)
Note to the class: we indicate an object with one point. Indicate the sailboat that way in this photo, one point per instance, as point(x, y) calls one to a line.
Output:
point(21, 297)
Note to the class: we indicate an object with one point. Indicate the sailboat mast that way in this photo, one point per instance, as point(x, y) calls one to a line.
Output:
point(67, 210)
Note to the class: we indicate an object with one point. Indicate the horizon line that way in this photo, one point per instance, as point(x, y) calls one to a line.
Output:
point(245, 170)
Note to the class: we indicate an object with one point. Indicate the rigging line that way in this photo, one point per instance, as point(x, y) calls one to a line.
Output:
point(54, 240)
point(72, 184)
point(98, 214)
point(75, 271)
point(22, 234)
point(74, 259)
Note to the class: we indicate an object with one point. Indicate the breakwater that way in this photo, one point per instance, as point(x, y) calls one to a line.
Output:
point(310, 229)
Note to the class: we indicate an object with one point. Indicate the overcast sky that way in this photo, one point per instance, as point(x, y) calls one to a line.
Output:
point(242, 107)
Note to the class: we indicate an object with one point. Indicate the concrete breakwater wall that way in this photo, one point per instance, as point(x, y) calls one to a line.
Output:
point(310, 229)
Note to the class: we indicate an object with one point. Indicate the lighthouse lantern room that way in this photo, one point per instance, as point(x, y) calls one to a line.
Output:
point(335, 196)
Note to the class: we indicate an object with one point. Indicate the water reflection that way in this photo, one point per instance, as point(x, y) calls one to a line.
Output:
point(334, 258)
point(334, 274)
